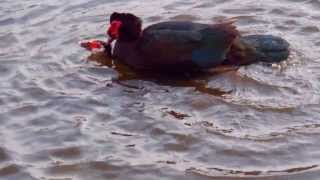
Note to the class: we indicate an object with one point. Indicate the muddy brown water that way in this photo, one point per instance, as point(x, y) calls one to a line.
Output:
point(64, 117)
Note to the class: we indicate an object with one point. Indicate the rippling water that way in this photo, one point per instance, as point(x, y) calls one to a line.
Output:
point(63, 117)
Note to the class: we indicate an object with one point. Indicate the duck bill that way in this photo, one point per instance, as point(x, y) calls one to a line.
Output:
point(85, 44)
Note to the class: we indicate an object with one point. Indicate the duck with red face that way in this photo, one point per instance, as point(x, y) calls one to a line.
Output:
point(184, 46)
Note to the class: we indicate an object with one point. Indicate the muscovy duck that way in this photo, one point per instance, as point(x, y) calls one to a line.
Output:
point(182, 45)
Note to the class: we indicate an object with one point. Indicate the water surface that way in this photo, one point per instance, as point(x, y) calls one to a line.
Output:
point(64, 117)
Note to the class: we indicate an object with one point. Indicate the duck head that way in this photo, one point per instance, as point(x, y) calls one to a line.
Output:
point(124, 27)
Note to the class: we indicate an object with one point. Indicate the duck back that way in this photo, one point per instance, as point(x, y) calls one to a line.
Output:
point(186, 44)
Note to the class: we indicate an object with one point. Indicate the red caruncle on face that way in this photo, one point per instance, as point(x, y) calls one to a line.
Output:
point(113, 30)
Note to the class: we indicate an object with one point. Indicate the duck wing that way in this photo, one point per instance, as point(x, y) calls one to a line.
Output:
point(172, 43)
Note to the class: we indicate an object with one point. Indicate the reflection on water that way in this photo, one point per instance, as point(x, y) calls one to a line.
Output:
point(63, 117)
point(197, 80)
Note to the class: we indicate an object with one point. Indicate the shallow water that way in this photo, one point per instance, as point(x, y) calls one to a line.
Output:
point(63, 117)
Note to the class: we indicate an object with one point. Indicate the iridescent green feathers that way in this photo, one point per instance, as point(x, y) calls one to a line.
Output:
point(205, 45)
point(210, 45)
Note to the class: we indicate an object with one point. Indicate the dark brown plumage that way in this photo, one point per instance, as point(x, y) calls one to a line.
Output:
point(182, 45)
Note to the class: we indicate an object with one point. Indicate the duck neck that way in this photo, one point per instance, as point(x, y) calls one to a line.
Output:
point(128, 53)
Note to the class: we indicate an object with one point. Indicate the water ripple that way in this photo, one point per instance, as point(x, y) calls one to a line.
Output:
point(64, 117)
